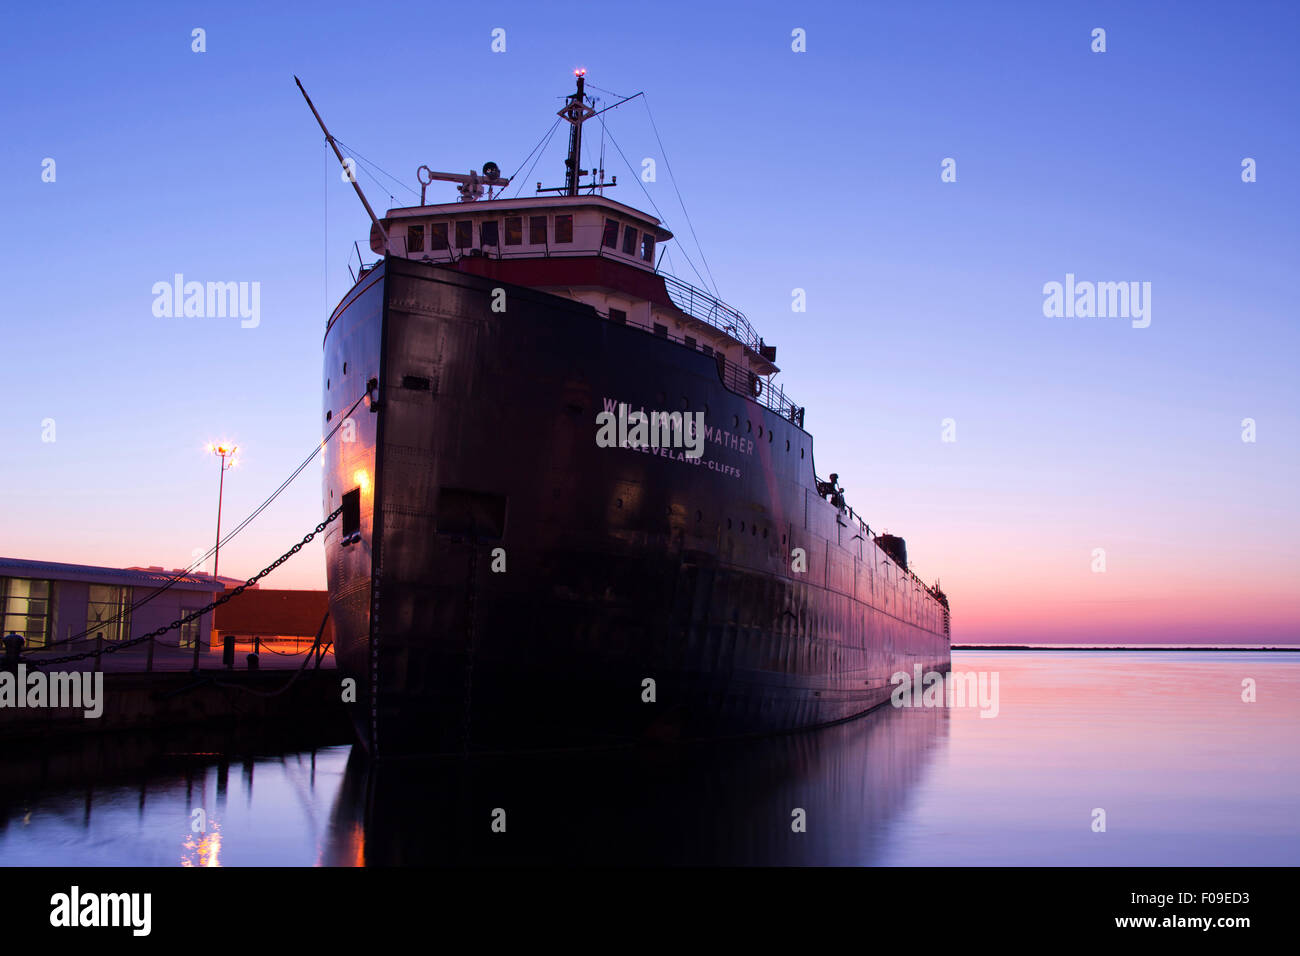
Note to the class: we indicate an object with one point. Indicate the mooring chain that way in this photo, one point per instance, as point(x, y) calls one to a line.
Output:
point(195, 615)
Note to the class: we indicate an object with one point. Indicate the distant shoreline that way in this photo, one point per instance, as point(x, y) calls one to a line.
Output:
point(1115, 647)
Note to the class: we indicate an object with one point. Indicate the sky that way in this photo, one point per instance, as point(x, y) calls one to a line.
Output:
point(819, 170)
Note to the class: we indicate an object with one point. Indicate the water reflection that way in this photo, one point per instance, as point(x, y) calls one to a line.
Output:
point(719, 803)
point(726, 803)
point(1189, 768)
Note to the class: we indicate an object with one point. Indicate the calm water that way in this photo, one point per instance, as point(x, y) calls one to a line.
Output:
point(1186, 772)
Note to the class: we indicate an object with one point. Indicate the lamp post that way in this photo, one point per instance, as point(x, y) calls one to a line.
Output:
point(226, 452)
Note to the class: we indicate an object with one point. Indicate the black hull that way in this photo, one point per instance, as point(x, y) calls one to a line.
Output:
point(621, 566)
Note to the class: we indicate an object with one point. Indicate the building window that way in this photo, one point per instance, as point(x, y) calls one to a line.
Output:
point(438, 237)
point(464, 233)
point(415, 238)
point(25, 609)
point(108, 612)
point(490, 233)
point(514, 230)
point(190, 632)
point(537, 230)
point(611, 234)
point(661, 330)
point(618, 315)
point(647, 247)
point(629, 241)
point(564, 228)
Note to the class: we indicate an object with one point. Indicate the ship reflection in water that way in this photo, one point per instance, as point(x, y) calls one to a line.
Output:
point(1187, 771)
point(818, 797)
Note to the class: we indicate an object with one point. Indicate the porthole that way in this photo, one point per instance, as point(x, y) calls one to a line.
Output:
point(800, 452)
point(345, 368)
point(787, 444)
point(770, 436)
point(760, 431)
point(699, 516)
point(735, 421)
point(329, 415)
point(749, 426)
point(753, 531)
point(327, 385)
point(742, 527)
point(728, 524)
point(618, 503)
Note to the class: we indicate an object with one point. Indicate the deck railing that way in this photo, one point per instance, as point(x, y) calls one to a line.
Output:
point(871, 536)
point(711, 310)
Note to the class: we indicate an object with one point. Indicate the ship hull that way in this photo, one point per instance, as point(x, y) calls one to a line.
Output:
point(512, 584)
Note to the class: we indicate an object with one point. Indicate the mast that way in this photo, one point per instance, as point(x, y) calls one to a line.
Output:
point(351, 176)
point(577, 112)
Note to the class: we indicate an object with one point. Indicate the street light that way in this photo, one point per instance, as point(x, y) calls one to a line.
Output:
point(225, 451)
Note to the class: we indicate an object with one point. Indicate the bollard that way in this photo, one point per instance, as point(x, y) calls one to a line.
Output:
point(228, 652)
point(252, 662)
point(13, 648)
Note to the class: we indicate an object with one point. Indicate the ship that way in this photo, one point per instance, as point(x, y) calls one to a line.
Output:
point(516, 566)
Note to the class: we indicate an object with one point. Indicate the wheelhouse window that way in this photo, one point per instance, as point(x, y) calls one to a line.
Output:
point(629, 241)
point(108, 612)
point(537, 230)
point(464, 233)
point(438, 236)
point(618, 315)
point(661, 330)
point(648, 247)
point(611, 234)
point(490, 233)
point(25, 609)
point(514, 230)
point(415, 238)
point(564, 228)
